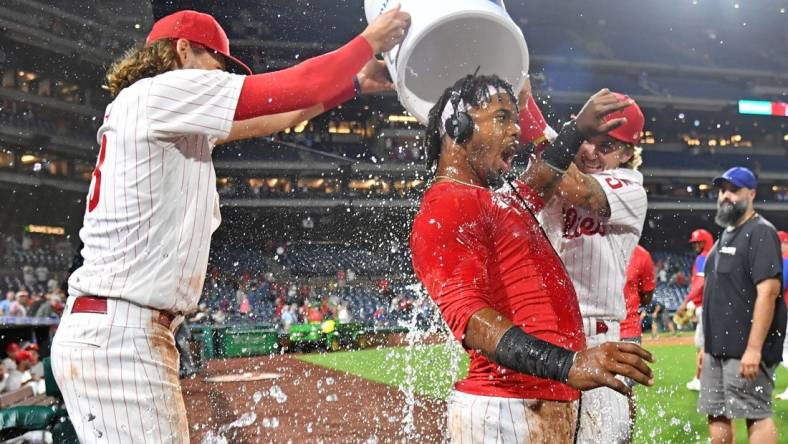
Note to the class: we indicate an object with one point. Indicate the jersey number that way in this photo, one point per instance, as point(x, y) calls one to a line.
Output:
point(96, 191)
point(614, 183)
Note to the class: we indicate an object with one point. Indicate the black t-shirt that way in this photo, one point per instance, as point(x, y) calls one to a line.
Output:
point(739, 260)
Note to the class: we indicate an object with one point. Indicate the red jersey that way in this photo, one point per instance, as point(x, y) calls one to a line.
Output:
point(475, 248)
point(640, 279)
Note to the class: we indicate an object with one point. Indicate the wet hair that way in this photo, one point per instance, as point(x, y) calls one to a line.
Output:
point(141, 62)
point(473, 90)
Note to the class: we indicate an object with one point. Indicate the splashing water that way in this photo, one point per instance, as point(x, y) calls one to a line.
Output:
point(416, 337)
point(245, 420)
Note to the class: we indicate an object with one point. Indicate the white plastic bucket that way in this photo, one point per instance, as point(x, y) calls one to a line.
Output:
point(447, 40)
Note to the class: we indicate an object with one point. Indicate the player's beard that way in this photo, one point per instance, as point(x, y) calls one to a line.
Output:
point(495, 179)
point(728, 213)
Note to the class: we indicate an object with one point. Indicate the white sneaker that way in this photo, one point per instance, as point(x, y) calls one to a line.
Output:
point(783, 396)
point(694, 385)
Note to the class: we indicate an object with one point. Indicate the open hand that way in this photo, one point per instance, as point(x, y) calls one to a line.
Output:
point(598, 367)
point(590, 120)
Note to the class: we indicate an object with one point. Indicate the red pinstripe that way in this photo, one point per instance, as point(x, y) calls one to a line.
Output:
point(150, 179)
point(172, 414)
point(208, 202)
point(526, 410)
point(121, 361)
point(189, 249)
point(511, 417)
point(85, 390)
point(99, 395)
point(484, 423)
point(190, 113)
point(137, 354)
point(213, 128)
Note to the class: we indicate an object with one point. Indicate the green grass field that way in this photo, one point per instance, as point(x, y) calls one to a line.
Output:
point(666, 413)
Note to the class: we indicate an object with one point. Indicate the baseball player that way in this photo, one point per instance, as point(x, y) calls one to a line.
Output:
point(702, 241)
point(153, 206)
point(594, 222)
point(497, 281)
point(784, 249)
point(638, 290)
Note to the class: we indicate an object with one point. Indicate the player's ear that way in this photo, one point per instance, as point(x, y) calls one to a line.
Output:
point(627, 154)
point(184, 50)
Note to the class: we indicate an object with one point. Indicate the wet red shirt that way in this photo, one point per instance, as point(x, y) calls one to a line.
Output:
point(474, 248)
point(640, 279)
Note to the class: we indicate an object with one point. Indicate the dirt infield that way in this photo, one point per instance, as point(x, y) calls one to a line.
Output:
point(667, 339)
point(308, 403)
point(311, 404)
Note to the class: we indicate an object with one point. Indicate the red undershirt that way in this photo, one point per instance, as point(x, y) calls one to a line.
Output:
point(640, 279)
point(474, 248)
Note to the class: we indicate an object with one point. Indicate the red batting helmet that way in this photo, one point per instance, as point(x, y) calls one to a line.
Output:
point(195, 27)
point(630, 131)
point(783, 236)
point(701, 235)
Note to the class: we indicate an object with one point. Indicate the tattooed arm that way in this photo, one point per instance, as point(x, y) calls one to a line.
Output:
point(582, 190)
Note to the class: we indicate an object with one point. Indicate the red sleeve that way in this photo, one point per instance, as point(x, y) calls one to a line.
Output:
point(450, 247)
point(647, 281)
point(532, 124)
point(696, 290)
point(326, 79)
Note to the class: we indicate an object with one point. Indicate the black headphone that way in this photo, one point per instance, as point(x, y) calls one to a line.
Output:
point(459, 126)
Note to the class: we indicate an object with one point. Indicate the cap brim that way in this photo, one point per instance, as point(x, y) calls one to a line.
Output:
point(236, 66)
point(720, 181)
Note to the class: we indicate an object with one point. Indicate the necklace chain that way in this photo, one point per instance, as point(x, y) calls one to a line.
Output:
point(459, 181)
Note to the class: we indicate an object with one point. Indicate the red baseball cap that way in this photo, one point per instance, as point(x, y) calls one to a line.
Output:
point(701, 235)
point(631, 131)
point(23, 355)
point(11, 347)
point(783, 236)
point(195, 27)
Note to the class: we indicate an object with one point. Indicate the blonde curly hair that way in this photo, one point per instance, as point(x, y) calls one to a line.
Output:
point(141, 62)
point(636, 160)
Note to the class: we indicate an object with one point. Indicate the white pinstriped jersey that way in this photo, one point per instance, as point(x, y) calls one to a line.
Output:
point(596, 250)
point(152, 204)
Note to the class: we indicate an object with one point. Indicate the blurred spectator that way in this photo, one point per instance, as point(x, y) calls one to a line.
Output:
point(315, 315)
point(3, 378)
point(19, 306)
point(53, 308)
point(660, 318)
point(5, 305)
point(28, 274)
point(244, 307)
point(343, 315)
point(42, 274)
point(36, 301)
point(11, 349)
point(679, 278)
point(36, 366)
point(289, 316)
point(379, 316)
point(20, 375)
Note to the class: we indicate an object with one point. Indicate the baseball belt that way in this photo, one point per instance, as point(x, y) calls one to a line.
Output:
point(98, 304)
